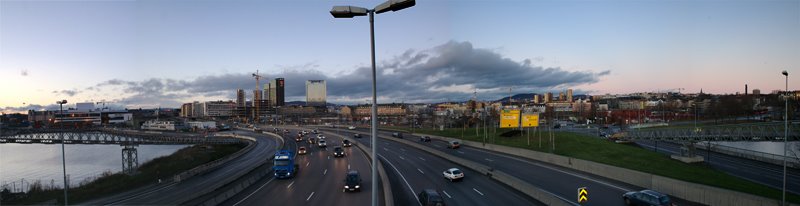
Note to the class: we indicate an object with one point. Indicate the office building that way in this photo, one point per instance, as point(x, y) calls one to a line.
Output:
point(186, 110)
point(548, 97)
point(276, 92)
point(219, 108)
point(240, 98)
point(316, 93)
point(569, 95)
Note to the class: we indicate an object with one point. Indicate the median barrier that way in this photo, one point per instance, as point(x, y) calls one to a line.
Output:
point(694, 192)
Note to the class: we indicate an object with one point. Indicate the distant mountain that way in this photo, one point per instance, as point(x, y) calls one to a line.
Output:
point(303, 103)
point(518, 97)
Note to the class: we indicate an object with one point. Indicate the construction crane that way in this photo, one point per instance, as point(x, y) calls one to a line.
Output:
point(256, 98)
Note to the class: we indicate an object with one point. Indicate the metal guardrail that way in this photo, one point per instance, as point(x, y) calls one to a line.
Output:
point(791, 161)
point(747, 132)
point(107, 136)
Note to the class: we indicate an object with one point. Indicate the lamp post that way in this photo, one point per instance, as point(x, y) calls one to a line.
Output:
point(63, 157)
point(353, 11)
point(785, 133)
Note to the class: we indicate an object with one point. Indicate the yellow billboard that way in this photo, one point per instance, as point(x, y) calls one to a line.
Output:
point(530, 120)
point(509, 118)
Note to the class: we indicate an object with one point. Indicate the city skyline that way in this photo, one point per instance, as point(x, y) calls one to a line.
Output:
point(149, 54)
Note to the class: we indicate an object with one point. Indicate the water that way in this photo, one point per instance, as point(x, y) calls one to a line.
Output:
point(43, 162)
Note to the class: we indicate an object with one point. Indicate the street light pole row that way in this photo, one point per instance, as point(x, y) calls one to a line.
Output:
point(63, 157)
point(353, 11)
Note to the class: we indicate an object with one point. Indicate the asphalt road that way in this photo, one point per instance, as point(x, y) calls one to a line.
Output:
point(169, 193)
point(755, 171)
point(320, 180)
point(411, 170)
point(559, 181)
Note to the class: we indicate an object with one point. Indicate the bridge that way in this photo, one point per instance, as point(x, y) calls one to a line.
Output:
point(128, 139)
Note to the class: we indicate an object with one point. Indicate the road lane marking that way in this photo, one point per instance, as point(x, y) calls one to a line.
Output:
point(384, 149)
point(460, 152)
point(401, 157)
point(476, 190)
point(329, 157)
point(420, 171)
point(401, 149)
point(290, 185)
point(307, 163)
point(445, 193)
point(423, 159)
point(348, 166)
point(309, 196)
point(490, 160)
point(325, 172)
point(401, 176)
point(254, 192)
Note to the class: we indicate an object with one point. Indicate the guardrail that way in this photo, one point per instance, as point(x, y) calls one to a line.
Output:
point(791, 161)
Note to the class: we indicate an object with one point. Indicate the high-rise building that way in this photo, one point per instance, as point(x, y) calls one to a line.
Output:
point(548, 97)
point(316, 93)
point(562, 96)
point(186, 110)
point(536, 99)
point(240, 98)
point(756, 92)
point(276, 95)
point(569, 95)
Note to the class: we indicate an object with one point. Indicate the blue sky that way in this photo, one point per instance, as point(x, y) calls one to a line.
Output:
point(51, 50)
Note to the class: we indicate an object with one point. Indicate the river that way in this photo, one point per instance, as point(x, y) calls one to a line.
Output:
point(42, 162)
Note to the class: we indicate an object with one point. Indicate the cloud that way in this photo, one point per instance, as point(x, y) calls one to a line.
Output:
point(24, 109)
point(452, 71)
point(24, 72)
point(70, 93)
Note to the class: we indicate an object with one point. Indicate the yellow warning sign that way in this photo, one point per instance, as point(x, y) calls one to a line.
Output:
point(509, 118)
point(583, 195)
point(530, 120)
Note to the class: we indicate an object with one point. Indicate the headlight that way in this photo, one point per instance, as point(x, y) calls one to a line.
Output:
point(357, 186)
point(346, 187)
point(289, 173)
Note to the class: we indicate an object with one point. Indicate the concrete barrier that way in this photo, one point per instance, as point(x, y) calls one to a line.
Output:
point(216, 163)
point(694, 192)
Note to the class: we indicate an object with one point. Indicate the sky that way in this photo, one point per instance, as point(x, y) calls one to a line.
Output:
point(147, 54)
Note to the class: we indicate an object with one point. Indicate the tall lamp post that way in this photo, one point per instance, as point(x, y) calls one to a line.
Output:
point(785, 133)
point(63, 157)
point(353, 11)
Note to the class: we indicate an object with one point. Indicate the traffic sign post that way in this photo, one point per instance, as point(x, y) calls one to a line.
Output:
point(583, 195)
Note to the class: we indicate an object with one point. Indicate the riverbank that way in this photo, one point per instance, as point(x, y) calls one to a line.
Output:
point(150, 172)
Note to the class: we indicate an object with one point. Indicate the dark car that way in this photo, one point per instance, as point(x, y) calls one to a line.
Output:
point(646, 197)
point(453, 144)
point(338, 151)
point(429, 197)
point(311, 140)
point(397, 134)
point(357, 135)
point(425, 139)
point(352, 181)
point(346, 143)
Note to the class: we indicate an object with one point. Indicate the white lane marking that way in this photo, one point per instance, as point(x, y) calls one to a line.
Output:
point(445, 193)
point(307, 163)
point(490, 160)
point(309, 196)
point(329, 157)
point(147, 193)
point(460, 152)
point(254, 192)
point(401, 157)
point(348, 166)
point(423, 159)
point(384, 149)
point(420, 171)
point(401, 149)
point(325, 172)
point(476, 190)
point(290, 185)
point(401, 176)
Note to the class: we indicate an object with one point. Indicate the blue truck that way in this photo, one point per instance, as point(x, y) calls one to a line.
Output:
point(284, 166)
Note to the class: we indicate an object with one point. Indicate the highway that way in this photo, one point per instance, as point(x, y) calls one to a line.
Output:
point(411, 170)
point(559, 181)
point(755, 171)
point(171, 193)
point(320, 180)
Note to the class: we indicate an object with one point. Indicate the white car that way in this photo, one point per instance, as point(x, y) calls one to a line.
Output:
point(320, 136)
point(322, 143)
point(453, 174)
point(351, 127)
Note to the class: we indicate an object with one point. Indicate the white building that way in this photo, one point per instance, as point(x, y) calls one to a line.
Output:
point(316, 93)
point(219, 108)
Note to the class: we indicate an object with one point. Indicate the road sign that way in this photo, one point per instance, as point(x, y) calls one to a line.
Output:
point(530, 120)
point(509, 118)
point(583, 195)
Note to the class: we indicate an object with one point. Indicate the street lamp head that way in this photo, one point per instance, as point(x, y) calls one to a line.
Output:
point(785, 73)
point(348, 11)
point(394, 5)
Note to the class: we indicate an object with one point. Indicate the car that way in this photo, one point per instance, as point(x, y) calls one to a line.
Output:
point(557, 126)
point(311, 140)
point(346, 143)
point(299, 138)
point(453, 174)
point(352, 181)
point(397, 134)
point(320, 136)
point(321, 143)
point(351, 127)
point(301, 150)
point(646, 197)
point(315, 131)
point(425, 139)
point(338, 151)
point(429, 197)
point(286, 131)
point(356, 135)
point(275, 130)
point(453, 144)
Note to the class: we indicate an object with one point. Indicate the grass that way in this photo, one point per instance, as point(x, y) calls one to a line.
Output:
point(162, 167)
point(626, 156)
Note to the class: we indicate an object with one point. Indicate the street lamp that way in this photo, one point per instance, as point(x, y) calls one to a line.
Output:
point(353, 11)
point(63, 159)
point(785, 133)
